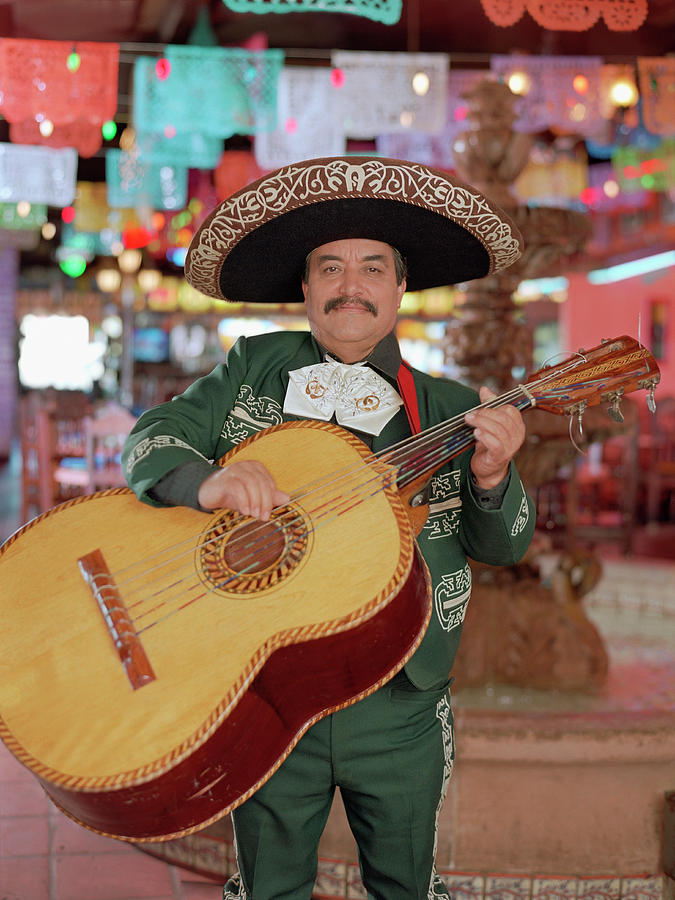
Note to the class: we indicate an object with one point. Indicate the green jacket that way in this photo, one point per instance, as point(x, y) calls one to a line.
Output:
point(246, 394)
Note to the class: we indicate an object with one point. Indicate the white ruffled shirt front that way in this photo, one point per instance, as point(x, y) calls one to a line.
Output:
point(359, 397)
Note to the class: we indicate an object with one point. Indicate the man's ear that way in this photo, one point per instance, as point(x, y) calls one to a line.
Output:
point(401, 291)
point(304, 289)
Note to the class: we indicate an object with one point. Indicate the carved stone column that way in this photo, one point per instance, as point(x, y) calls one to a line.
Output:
point(519, 630)
point(486, 343)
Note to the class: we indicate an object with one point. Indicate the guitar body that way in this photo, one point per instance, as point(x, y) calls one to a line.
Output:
point(152, 677)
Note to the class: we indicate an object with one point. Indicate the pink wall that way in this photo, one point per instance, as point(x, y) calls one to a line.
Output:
point(593, 312)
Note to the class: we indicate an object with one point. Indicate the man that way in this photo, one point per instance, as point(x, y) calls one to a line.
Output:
point(352, 226)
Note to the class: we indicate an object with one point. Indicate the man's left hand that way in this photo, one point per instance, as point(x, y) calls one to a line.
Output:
point(499, 433)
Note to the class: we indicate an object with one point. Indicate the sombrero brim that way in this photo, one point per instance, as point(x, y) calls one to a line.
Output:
point(252, 248)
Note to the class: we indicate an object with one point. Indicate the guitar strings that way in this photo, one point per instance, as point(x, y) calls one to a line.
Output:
point(419, 461)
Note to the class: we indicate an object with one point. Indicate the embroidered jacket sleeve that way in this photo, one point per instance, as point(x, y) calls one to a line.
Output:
point(184, 430)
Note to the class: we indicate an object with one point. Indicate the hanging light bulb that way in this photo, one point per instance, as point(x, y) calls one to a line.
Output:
point(421, 83)
point(149, 280)
point(127, 139)
point(109, 130)
point(73, 61)
point(162, 69)
point(22, 208)
point(108, 280)
point(580, 84)
point(46, 127)
point(520, 83)
point(48, 231)
point(130, 261)
point(337, 78)
point(624, 92)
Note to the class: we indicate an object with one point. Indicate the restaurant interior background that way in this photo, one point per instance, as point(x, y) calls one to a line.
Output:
point(114, 151)
point(124, 122)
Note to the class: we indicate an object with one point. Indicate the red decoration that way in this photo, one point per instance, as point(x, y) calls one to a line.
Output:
point(84, 136)
point(136, 237)
point(569, 15)
point(36, 81)
point(236, 169)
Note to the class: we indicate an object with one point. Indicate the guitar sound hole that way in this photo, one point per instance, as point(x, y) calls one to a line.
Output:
point(254, 546)
point(246, 558)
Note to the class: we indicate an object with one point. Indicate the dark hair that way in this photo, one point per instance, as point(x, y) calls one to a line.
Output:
point(400, 267)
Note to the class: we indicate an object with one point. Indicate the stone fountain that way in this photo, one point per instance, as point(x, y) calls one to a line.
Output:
point(487, 344)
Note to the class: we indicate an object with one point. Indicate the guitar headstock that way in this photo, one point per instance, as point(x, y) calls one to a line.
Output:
point(600, 375)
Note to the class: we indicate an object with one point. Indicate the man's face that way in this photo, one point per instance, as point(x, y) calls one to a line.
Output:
point(351, 296)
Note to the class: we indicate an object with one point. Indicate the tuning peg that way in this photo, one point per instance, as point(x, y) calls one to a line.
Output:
point(651, 399)
point(614, 410)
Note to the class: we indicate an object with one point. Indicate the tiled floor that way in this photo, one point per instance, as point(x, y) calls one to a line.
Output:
point(45, 856)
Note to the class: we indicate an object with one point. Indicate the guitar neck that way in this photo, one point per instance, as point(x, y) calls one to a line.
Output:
point(425, 453)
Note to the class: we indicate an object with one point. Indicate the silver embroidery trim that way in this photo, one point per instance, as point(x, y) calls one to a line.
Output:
point(523, 516)
point(159, 442)
point(443, 714)
point(451, 597)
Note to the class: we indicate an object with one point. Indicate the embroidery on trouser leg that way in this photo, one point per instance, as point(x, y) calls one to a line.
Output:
point(235, 882)
point(444, 715)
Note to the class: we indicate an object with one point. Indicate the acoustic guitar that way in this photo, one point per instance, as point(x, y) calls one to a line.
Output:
point(157, 665)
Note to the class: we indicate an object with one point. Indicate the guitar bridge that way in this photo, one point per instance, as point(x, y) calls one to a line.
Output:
point(96, 574)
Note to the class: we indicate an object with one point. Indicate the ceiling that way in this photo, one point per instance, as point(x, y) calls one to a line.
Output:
point(457, 27)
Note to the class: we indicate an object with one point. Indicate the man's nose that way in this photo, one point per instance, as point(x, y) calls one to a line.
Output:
point(351, 282)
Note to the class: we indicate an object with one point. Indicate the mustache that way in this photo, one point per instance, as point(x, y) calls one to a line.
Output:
point(342, 300)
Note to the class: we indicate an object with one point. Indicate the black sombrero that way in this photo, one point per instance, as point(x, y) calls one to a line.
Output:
point(252, 248)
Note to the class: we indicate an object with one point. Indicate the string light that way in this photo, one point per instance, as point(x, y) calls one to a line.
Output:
point(580, 84)
point(624, 92)
point(46, 127)
point(68, 214)
point(519, 83)
point(337, 78)
point(73, 61)
point(109, 130)
point(421, 83)
point(162, 68)
point(73, 265)
point(23, 208)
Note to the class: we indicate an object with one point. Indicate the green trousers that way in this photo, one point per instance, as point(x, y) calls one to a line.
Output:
point(391, 755)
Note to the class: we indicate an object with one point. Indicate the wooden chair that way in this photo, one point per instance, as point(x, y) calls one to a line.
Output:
point(104, 435)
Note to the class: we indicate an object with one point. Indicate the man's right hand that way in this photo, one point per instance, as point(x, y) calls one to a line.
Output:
point(245, 486)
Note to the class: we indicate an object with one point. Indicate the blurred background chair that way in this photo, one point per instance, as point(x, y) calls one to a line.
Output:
point(98, 467)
